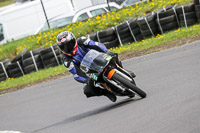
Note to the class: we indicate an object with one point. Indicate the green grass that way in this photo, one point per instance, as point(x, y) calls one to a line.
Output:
point(45, 39)
point(32, 77)
point(165, 39)
point(6, 2)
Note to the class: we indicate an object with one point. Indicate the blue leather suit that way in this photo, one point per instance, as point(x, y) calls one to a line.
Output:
point(73, 63)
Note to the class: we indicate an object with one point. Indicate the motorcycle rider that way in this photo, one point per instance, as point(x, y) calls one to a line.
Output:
point(74, 51)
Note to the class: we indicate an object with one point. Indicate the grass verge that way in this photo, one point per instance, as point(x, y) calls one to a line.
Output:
point(6, 2)
point(158, 43)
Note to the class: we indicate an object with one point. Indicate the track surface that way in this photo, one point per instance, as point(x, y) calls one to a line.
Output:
point(170, 78)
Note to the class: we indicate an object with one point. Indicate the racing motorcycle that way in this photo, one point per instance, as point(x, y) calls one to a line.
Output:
point(107, 74)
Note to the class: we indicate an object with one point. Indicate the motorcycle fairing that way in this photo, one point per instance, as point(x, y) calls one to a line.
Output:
point(94, 62)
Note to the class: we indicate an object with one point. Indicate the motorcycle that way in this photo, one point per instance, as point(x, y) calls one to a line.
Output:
point(107, 74)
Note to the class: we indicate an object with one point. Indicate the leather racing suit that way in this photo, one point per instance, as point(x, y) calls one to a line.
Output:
point(72, 63)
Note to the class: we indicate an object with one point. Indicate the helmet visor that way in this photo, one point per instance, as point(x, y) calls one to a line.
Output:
point(68, 46)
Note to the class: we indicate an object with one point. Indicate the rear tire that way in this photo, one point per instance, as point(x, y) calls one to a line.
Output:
point(129, 84)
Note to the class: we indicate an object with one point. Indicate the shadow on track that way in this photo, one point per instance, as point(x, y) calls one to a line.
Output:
point(90, 113)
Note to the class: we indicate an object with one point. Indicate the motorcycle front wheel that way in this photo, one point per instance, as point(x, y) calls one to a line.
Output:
point(129, 84)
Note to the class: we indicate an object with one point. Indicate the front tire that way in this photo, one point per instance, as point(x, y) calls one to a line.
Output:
point(129, 85)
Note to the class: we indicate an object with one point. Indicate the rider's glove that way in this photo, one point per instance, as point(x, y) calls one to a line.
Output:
point(83, 40)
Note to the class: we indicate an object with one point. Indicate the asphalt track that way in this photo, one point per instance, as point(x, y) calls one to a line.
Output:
point(171, 79)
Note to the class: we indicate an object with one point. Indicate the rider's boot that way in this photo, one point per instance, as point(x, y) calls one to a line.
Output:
point(110, 95)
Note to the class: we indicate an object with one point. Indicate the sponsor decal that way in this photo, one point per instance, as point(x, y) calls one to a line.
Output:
point(108, 58)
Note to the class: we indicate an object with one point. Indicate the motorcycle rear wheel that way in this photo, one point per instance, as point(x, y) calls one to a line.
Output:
point(129, 85)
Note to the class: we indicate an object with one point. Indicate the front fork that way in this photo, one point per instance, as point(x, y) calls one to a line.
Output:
point(118, 70)
point(125, 72)
point(120, 67)
point(114, 83)
point(121, 72)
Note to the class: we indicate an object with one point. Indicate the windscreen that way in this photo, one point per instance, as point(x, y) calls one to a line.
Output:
point(94, 61)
